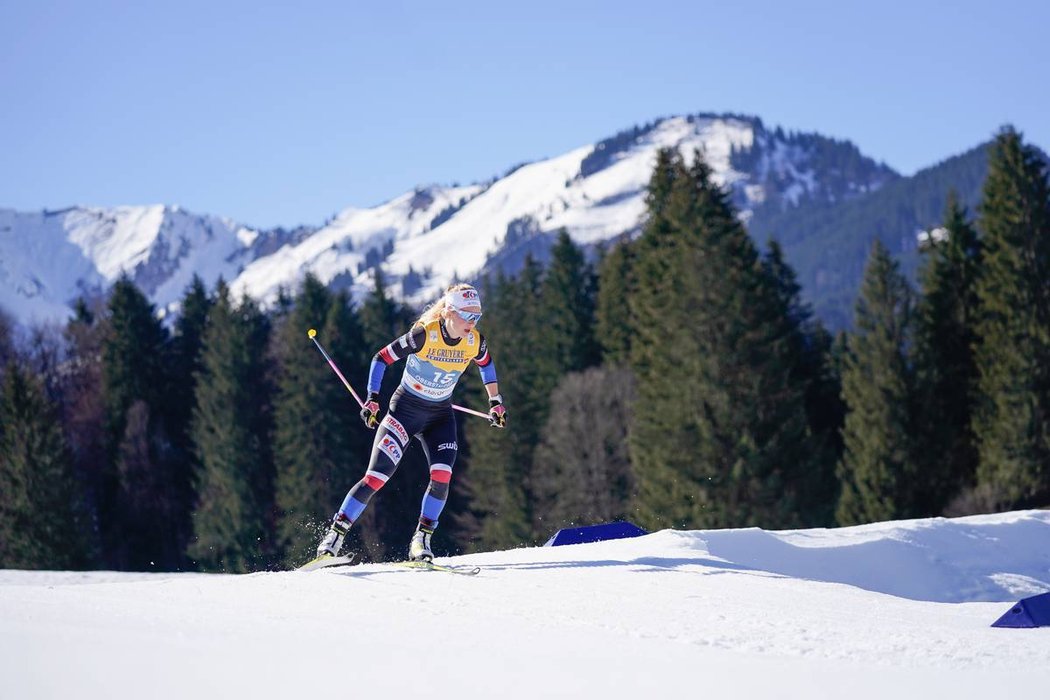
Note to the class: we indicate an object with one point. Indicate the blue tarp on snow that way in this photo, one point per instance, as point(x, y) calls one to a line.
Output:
point(1029, 612)
point(595, 533)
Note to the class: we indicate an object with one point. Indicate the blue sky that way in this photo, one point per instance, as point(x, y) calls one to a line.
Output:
point(280, 116)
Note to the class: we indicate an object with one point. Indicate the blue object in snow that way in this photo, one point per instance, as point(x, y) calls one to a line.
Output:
point(595, 533)
point(1029, 612)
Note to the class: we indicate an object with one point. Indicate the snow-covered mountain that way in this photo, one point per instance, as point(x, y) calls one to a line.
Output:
point(897, 610)
point(420, 240)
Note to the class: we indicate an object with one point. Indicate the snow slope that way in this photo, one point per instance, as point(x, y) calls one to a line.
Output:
point(896, 610)
point(550, 194)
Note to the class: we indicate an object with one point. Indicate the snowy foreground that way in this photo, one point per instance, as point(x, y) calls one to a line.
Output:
point(891, 610)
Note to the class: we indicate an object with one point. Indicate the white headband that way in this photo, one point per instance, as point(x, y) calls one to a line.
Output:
point(462, 298)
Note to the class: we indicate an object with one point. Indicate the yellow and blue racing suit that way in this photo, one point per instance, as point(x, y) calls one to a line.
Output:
point(421, 407)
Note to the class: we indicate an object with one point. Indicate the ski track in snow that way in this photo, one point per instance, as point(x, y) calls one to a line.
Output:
point(752, 613)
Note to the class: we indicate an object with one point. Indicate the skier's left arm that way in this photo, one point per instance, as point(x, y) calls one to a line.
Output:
point(497, 412)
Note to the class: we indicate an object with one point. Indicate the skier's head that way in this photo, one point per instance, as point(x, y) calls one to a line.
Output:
point(462, 309)
point(465, 300)
point(459, 308)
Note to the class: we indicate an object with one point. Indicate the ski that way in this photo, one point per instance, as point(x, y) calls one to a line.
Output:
point(431, 566)
point(326, 561)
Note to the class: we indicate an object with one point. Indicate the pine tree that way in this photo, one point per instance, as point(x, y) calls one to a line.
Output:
point(567, 300)
point(657, 259)
point(319, 443)
point(42, 524)
point(946, 371)
point(877, 470)
point(132, 355)
point(721, 428)
point(133, 370)
point(230, 428)
point(184, 359)
point(182, 366)
point(812, 367)
point(1012, 418)
point(614, 326)
point(664, 439)
point(751, 351)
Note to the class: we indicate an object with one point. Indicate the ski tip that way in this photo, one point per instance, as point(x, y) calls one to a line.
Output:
point(311, 332)
point(326, 561)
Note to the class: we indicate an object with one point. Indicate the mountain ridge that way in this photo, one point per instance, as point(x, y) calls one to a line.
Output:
point(424, 238)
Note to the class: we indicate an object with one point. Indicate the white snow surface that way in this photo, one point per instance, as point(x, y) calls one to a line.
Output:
point(890, 610)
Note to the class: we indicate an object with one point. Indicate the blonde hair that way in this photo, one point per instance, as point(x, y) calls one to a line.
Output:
point(437, 309)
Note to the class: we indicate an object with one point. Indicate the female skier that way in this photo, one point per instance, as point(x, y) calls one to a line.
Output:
point(439, 347)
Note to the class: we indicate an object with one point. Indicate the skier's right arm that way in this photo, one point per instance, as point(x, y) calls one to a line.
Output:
point(402, 347)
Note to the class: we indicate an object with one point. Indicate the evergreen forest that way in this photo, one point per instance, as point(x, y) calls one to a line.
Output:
point(678, 380)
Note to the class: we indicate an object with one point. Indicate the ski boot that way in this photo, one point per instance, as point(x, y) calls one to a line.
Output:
point(333, 540)
point(419, 548)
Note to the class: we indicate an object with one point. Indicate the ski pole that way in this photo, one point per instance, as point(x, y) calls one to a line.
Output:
point(471, 411)
point(313, 336)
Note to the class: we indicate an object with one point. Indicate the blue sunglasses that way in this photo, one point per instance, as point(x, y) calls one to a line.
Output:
point(467, 316)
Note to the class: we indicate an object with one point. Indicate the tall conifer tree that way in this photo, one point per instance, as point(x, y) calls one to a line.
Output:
point(133, 371)
point(614, 326)
point(1012, 421)
point(42, 525)
point(946, 371)
point(664, 440)
point(877, 470)
point(230, 429)
point(132, 354)
point(812, 367)
point(182, 366)
point(567, 300)
point(721, 429)
point(184, 359)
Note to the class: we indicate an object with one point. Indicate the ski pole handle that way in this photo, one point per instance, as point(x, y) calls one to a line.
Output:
point(313, 336)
